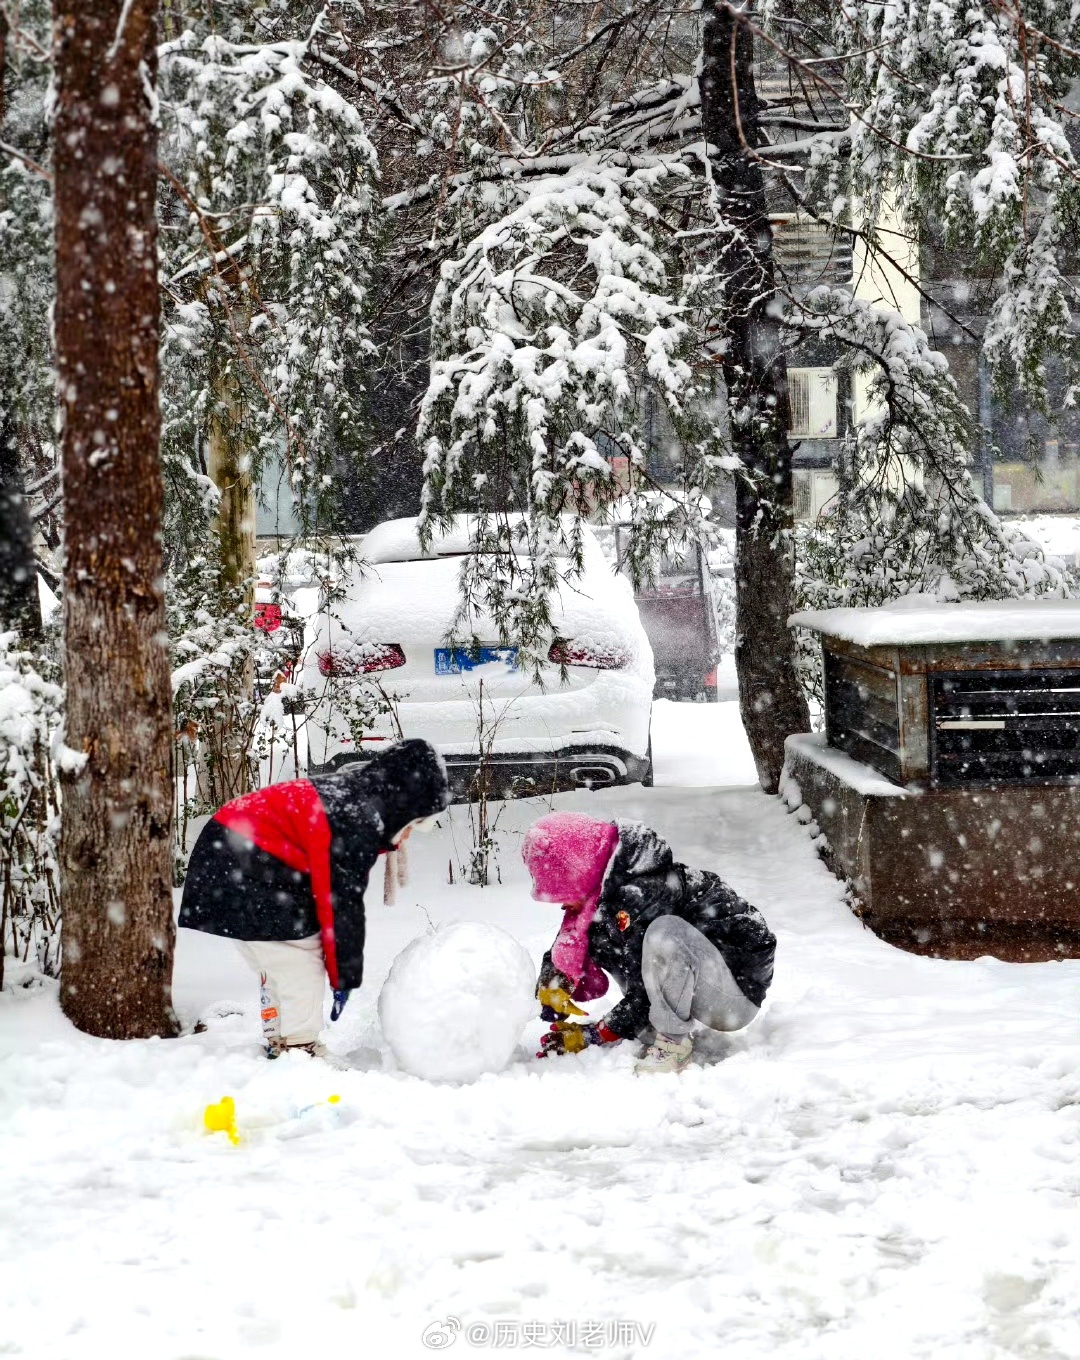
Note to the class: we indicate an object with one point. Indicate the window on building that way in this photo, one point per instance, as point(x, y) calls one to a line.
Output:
point(802, 495)
point(1036, 466)
point(812, 397)
point(814, 491)
point(808, 251)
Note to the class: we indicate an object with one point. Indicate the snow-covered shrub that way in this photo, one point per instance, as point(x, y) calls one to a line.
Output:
point(31, 703)
point(214, 708)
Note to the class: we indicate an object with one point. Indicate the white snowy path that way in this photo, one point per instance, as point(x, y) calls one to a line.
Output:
point(887, 1164)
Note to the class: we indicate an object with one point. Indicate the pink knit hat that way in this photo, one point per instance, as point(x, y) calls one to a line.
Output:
point(566, 853)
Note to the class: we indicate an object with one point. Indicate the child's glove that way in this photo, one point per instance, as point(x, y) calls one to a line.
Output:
point(567, 1037)
point(339, 1004)
point(556, 1003)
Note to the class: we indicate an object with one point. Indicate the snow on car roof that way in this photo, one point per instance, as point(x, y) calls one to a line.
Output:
point(923, 619)
point(397, 540)
point(408, 598)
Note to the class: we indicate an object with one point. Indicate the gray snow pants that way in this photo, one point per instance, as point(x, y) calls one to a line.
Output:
point(687, 979)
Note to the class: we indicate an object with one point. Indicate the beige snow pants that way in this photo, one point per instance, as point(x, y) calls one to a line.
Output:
point(292, 979)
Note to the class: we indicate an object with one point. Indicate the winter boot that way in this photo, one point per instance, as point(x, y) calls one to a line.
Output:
point(275, 1047)
point(666, 1055)
point(314, 1050)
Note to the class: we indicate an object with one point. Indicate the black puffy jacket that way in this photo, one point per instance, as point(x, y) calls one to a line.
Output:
point(293, 859)
point(645, 881)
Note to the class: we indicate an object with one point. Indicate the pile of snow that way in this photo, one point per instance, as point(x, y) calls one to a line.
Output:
point(456, 1001)
point(1058, 535)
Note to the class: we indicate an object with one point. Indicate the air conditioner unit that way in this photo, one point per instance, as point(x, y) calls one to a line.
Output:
point(812, 397)
point(802, 495)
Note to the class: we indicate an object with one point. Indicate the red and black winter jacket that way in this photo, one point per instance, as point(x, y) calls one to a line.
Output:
point(293, 860)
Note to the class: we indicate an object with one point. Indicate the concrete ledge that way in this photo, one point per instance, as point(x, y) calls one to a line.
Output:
point(956, 873)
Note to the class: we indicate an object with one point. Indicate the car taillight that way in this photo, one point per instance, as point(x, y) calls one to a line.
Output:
point(599, 658)
point(376, 656)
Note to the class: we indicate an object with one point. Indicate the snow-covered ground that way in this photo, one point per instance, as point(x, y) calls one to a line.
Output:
point(886, 1164)
point(1058, 534)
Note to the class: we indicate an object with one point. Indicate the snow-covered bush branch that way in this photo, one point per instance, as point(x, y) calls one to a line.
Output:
point(31, 703)
point(907, 518)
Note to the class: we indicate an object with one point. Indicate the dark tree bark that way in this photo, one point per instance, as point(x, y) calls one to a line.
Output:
point(116, 842)
point(19, 606)
point(755, 373)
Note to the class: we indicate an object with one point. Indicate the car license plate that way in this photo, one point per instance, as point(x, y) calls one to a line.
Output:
point(456, 660)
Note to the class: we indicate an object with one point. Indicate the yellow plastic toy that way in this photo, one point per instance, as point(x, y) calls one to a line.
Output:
point(330, 1100)
point(221, 1118)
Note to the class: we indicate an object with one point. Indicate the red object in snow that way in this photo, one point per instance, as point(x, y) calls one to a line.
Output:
point(372, 656)
point(566, 654)
point(267, 616)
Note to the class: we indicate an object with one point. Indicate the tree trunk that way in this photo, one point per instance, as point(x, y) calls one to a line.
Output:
point(115, 849)
point(755, 373)
point(224, 767)
point(228, 466)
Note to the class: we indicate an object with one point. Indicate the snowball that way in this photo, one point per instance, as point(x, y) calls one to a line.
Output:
point(457, 1000)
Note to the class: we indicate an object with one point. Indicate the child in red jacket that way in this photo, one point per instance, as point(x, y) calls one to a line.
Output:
point(283, 872)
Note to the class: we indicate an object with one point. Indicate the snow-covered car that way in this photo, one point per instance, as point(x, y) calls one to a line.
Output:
point(584, 723)
point(678, 613)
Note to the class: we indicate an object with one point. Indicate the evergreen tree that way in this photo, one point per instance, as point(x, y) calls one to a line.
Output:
point(944, 115)
point(27, 452)
point(270, 228)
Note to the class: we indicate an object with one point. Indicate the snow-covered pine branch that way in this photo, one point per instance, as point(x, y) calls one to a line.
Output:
point(269, 252)
point(27, 386)
point(545, 332)
point(908, 518)
point(962, 112)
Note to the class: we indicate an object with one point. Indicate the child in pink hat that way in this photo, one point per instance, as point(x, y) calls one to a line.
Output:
point(680, 943)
